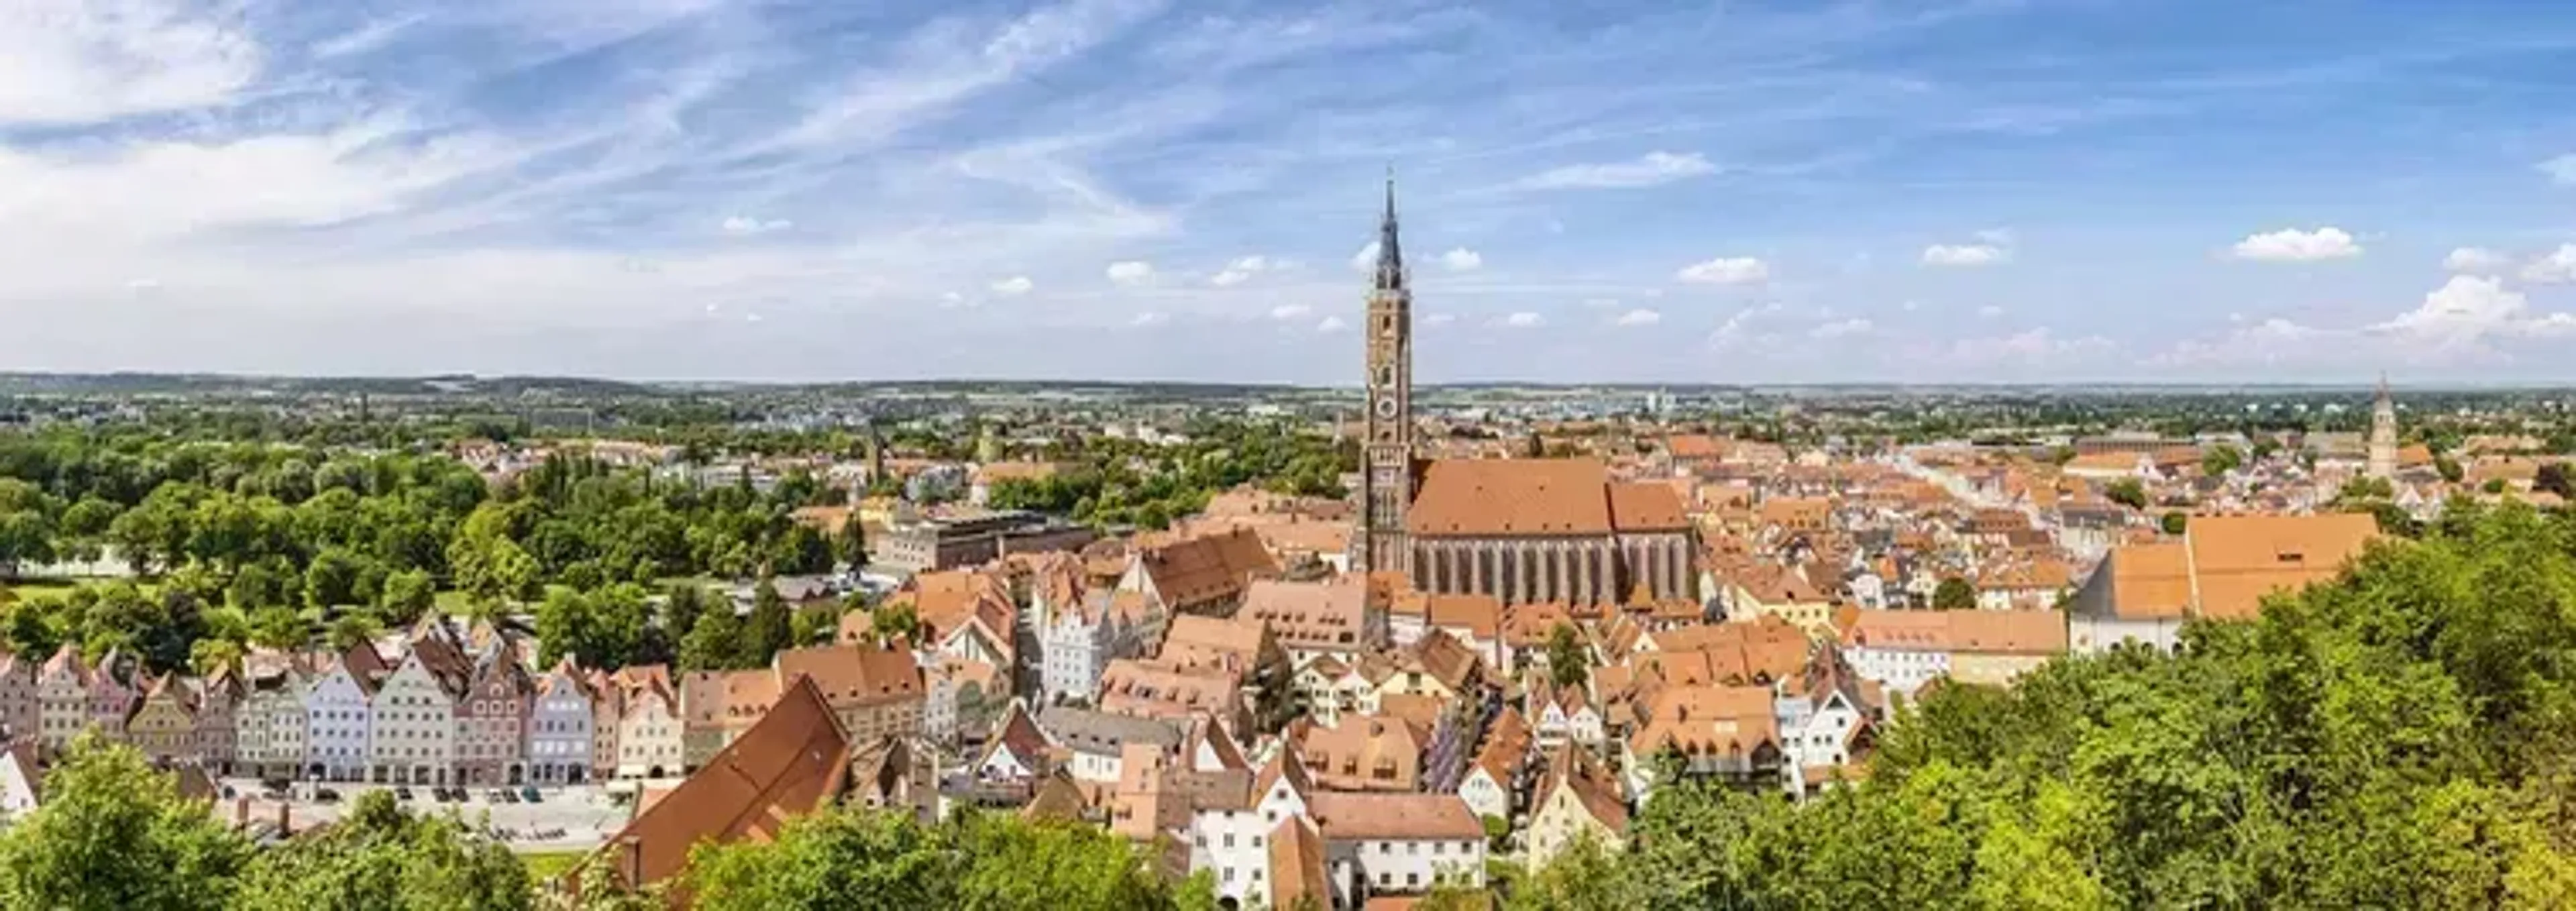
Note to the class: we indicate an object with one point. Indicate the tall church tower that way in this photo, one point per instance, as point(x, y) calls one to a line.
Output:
point(1386, 453)
point(2383, 434)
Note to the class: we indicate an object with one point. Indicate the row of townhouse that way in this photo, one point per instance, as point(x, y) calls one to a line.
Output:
point(449, 711)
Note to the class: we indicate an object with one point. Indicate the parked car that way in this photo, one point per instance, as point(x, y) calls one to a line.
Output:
point(402, 794)
point(495, 795)
point(529, 794)
point(325, 795)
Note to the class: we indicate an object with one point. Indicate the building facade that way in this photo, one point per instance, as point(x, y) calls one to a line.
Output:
point(491, 726)
point(559, 727)
point(218, 701)
point(62, 698)
point(338, 719)
point(19, 715)
point(165, 726)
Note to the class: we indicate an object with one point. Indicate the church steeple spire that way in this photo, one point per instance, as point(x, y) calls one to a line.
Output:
point(1386, 479)
point(1390, 255)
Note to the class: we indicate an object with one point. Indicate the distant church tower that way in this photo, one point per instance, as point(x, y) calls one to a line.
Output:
point(2383, 434)
point(1386, 452)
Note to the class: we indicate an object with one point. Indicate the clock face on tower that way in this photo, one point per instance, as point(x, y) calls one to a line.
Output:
point(1386, 407)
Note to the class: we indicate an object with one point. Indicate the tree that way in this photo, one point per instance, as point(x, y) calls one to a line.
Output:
point(1954, 593)
point(565, 627)
point(858, 858)
point(2221, 459)
point(380, 857)
point(767, 630)
point(681, 605)
point(896, 621)
point(801, 551)
point(2129, 492)
point(333, 579)
point(352, 628)
point(2450, 469)
point(2174, 522)
point(1583, 877)
point(113, 833)
point(714, 642)
point(1569, 660)
point(278, 627)
point(407, 595)
point(853, 541)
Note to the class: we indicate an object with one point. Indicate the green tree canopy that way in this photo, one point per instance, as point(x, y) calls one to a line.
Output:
point(852, 858)
point(2129, 492)
point(1569, 660)
point(380, 858)
point(113, 834)
point(1954, 593)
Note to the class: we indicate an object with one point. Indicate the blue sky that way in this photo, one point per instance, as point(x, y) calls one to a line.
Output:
point(1177, 189)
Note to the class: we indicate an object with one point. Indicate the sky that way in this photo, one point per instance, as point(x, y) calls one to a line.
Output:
point(1591, 190)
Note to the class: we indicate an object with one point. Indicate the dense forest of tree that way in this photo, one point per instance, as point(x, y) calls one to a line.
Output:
point(243, 544)
point(1117, 482)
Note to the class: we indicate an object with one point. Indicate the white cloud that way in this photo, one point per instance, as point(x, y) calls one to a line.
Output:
point(1131, 272)
point(1366, 259)
point(2291, 245)
point(65, 62)
point(1725, 270)
point(1965, 255)
point(1439, 319)
point(1331, 324)
point(1242, 269)
point(1639, 317)
point(1910, 306)
point(1738, 327)
point(746, 226)
point(1651, 169)
point(1998, 237)
point(1989, 311)
point(2036, 347)
point(2468, 312)
point(2475, 260)
point(2557, 267)
point(1014, 286)
point(2561, 170)
point(2272, 342)
point(1841, 328)
point(1462, 260)
point(1149, 318)
point(1285, 312)
point(1524, 320)
point(948, 300)
point(143, 285)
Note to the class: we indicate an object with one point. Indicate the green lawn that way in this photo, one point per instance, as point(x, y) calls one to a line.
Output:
point(28, 588)
point(544, 865)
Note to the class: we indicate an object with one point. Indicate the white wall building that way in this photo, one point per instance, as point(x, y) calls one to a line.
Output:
point(338, 716)
point(414, 735)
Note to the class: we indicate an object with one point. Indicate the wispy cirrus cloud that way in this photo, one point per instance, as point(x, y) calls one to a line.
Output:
point(621, 187)
point(1650, 169)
